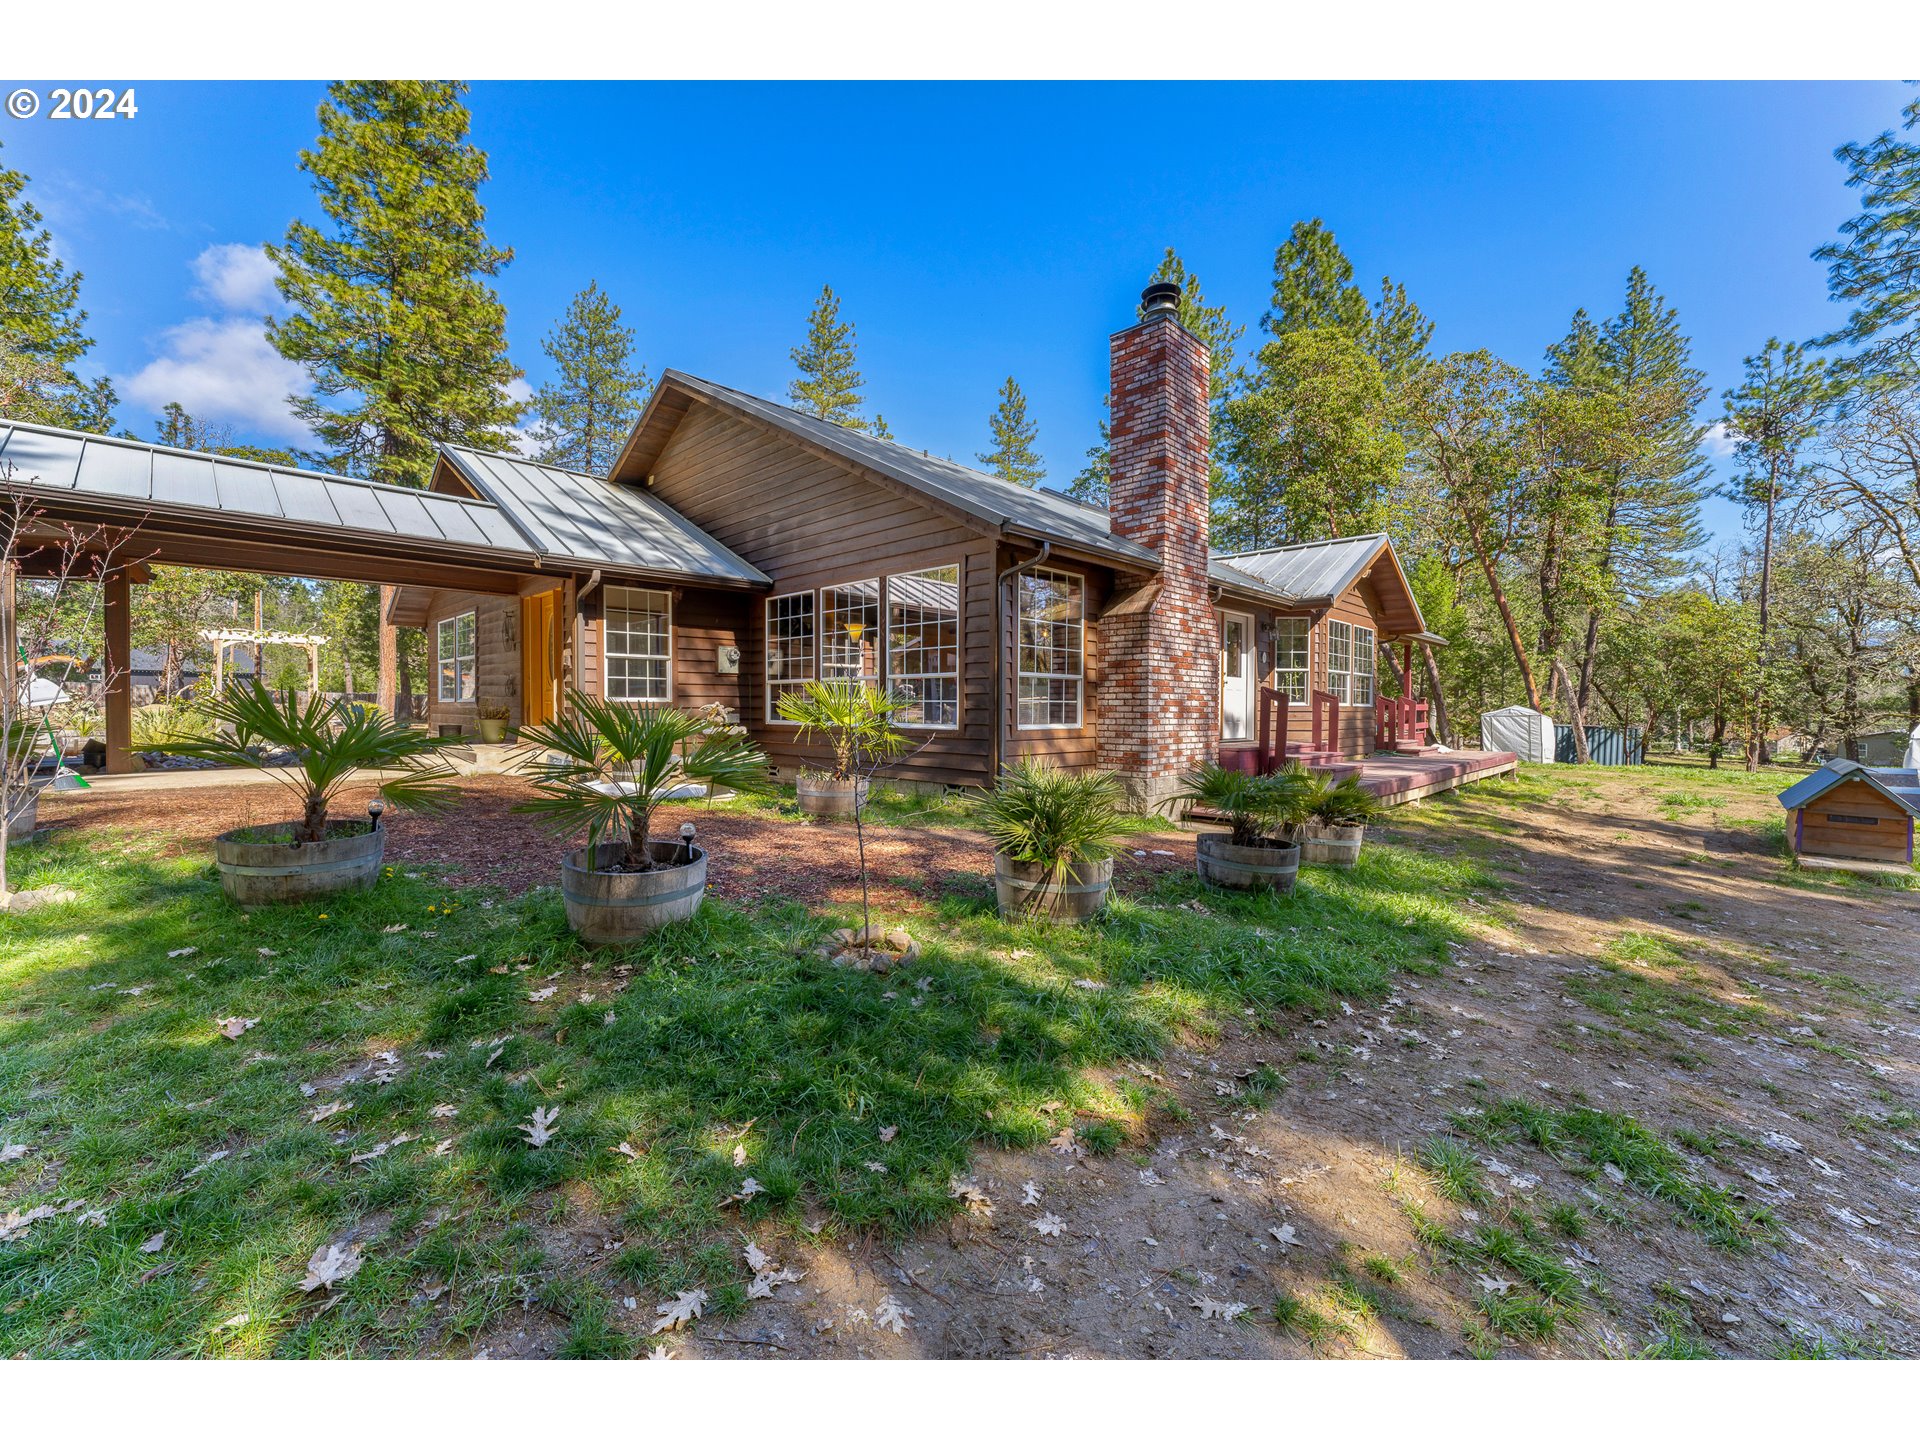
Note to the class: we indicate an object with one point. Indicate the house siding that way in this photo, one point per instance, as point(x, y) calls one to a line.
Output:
point(496, 657)
point(809, 522)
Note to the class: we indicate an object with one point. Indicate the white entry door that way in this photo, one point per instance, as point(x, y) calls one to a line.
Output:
point(1236, 676)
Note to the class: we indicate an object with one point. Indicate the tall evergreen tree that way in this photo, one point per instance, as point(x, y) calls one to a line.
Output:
point(587, 410)
point(829, 382)
point(1013, 457)
point(1093, 482)
point(1876, 267)
point(41, 323)
point(394, 316)
point(1772, 413)
point(1651, 492)
point(1313, 289)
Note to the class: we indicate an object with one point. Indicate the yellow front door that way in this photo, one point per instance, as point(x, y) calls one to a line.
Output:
point(540, 657)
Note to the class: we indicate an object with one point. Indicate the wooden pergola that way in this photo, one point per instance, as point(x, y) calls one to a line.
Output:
point(223, 638)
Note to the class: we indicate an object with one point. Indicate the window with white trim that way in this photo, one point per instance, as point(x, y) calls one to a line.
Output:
point(1292, 656)
point(850, 637)
point(789, 647)
point(638, 634)
point(1051, 650)
point(1350, 663)
point(923, 646)
point(455, 649)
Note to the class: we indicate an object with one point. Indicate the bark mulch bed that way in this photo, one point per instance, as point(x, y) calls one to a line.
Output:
point(483, 842)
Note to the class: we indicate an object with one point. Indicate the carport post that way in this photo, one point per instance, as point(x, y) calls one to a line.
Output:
point(118, 615)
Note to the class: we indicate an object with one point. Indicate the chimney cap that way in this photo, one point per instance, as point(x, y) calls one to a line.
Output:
point(1160, 298)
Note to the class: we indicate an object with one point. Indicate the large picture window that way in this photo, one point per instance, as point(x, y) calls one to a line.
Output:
point(1291, 657)
point(923, 646)
point(1350, 663)
point(850, 632)
point(455, 650)
point(639, 644)
point(789, 647)
point(1052, 650)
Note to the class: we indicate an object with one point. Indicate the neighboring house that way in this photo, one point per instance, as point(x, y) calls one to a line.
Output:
point(740, 548)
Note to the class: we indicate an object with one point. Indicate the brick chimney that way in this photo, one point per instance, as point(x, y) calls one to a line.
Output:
point(1160, 687)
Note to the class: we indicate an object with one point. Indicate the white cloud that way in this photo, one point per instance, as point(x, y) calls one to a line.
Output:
point(520, 392)
point(1719, 440)
point(237, 277)
point(223, 370)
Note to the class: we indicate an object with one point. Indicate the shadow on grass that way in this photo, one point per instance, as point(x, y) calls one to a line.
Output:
point(719, 1051)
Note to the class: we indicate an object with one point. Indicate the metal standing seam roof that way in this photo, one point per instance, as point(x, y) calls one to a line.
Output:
point(43, 458)
point(1811, 787)
point(1317, 570)
point(600, 522)
point(1045, 514)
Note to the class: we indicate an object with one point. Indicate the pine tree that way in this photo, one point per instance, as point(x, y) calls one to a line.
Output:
point(829, 383)
point(1095, 479)
point(1773, 412)
point(42, 324)
point(1313, 289)
point(1013, 457)
point(1876, 268)
point(394, 317)
point(587, 411)
point(879, 428)
point(1650, 496)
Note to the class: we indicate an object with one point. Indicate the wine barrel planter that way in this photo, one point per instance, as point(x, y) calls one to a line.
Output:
point(22, 816)
point(1271, 866)
point(1025, 892)
point(1335, 845)
point(279, 872)
point(614, 907)
point(821, 796)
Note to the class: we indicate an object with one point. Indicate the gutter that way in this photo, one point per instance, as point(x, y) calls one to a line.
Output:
point(999, 655)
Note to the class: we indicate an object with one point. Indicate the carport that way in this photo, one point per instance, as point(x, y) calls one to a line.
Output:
point(154, 505)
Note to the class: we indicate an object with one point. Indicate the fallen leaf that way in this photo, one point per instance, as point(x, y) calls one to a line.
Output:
point(155, 1243)
point(739, 1156)
point(329, 1265)
point(887, 1132)
point(329, 1110)
point(1029, 1193)
point(1284, 1234)
point(184, 951)
point(234, 1026)
point(1066, 1142)
point(765, 1281)
point(626, 1149)
point(1211, 1309)
point(12, 1152)
point(890, 1314)
point(539, 1128)
point(876, 1166)
point(688, 1305)
point(445, 1112)
point(538, 995)
point(1049, 1224)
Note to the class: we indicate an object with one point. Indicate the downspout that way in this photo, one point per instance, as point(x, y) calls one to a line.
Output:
point(999, 655)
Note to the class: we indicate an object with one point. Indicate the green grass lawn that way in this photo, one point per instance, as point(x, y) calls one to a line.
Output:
point(720, 1041)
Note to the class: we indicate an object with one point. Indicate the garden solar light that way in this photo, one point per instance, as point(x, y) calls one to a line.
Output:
point(375, 808)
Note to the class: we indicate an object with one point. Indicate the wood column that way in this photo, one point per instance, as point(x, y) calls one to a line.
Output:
point(387, 688)
point(117, 612)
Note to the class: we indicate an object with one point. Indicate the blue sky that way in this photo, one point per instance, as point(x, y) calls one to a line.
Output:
point(976, 231)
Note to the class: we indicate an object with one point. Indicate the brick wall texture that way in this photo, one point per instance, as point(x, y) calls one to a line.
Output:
point(1160, 688)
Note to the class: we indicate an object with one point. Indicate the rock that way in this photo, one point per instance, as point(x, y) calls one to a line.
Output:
point(18, 902)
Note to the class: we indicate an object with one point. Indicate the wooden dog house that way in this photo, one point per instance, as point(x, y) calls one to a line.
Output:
point(1845, 816)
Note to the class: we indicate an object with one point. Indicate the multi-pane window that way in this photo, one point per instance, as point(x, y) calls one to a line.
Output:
point(1290, 658)
point(639, 644)
point(1052, 641)
point(923, 646)
point(1350, 662)
point(789, 646)
point(850, 632)
point(455, 649)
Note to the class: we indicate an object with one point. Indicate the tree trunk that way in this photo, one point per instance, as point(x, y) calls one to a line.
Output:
point(1580, 753)
point(1757, 744)
point(1506, 612)
point(1436, 699)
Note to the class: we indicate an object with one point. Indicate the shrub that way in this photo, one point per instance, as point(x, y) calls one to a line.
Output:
point(1258, 808)
point(1056, 818)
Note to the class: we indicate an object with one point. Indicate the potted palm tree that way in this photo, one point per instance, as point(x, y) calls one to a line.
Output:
point(606, 768)
point(857, 723)
point(1055, 833)
point(1262, 812)
point(1336, 822)
point(331, 744)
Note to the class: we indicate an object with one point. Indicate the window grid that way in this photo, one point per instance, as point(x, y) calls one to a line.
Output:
point(923, 646)
point(789, 648)
point(638, 631)
point(850, 636)
point(455, 651)
point(1051, 659)
point(1363, 672)
point(1291, 656)
point(1350, 663)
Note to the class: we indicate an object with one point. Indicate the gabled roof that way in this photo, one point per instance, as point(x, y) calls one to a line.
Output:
point(1836, 772)
point(161, 478)
point(1036, 514)
point(578, 517)
point(1318, 572)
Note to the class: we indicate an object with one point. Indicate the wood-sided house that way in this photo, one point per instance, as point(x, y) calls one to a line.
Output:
point(740, 548)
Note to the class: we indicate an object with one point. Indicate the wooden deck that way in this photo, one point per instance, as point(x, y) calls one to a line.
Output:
point(1398, 779)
